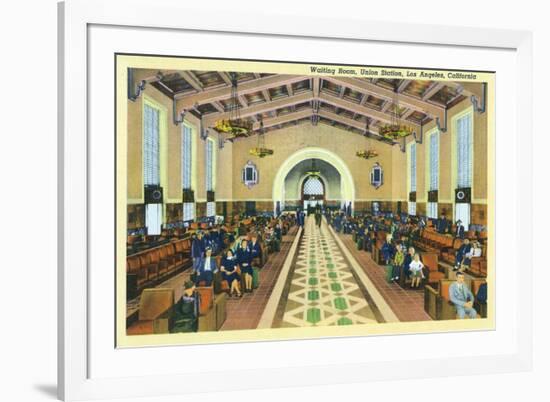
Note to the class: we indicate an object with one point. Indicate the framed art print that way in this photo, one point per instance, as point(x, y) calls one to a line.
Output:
point(238, 188)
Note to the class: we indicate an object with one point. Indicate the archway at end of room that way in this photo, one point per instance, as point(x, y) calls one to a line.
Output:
point(296, 170)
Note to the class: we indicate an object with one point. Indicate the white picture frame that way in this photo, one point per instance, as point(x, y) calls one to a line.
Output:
point(77, 379)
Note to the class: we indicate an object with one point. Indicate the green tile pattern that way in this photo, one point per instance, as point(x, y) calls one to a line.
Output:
point(323, 290)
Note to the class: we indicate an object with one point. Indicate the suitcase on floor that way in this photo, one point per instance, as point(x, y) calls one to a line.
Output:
point(255, 278)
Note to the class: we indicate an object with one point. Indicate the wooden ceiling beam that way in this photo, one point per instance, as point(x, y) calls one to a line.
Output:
point(387, 94)
point(151, 75)
point(403, 85)
point(247, 87)
point(316, 86)
point(387, 104)
point(210, 119)
point(218, 106)
point(356, 108)
point(352, 123)
point(192, 80)
point(289, 89)
point(467, 88)
point(243, 101)
point(286, 118)
point(434, 88)
point(407, 114)
point(225, 77)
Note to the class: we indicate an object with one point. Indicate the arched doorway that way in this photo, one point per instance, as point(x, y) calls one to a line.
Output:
point(346, 190)
point(313, 192)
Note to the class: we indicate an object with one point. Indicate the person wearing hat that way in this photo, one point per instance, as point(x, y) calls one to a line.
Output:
point(186, 310)
point(197, 250)
point(462, 297)
point(207, 268)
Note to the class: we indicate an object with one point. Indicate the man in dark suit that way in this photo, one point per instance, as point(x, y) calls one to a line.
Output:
point(197, 250)
point(443, 224)
point(463, 254)
point(459, 231)
point(207, 268)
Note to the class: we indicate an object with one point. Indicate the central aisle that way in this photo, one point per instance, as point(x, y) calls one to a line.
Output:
point(323, 289)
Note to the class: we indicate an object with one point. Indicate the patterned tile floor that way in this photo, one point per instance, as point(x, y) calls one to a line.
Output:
point(245, 312)
point(323, 289)
point(407, 304)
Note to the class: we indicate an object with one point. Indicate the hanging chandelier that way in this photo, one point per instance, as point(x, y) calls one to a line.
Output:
point(261, 150)
point(313, 171)
point(367, 153)
point(234, 126)
point(396, 129)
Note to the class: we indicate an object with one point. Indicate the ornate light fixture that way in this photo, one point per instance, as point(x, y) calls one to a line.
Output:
point(396, 129)
point(367, 153)
point(261, 151)
point(235, 126)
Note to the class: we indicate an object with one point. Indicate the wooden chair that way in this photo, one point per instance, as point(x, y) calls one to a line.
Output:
point(437, 303)
point(155, 312)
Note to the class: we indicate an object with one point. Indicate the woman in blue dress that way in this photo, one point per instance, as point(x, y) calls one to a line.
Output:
point(244, 259)
point(230, 273)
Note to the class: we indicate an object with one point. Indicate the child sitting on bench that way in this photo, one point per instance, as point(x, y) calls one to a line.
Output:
point(416, 271)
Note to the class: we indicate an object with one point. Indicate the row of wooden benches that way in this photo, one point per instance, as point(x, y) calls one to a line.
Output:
point(436, 283)
point(447, 248)
point(156, 312)
point(154, 265)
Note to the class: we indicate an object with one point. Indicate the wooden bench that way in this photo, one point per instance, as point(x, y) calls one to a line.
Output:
point(149, 267)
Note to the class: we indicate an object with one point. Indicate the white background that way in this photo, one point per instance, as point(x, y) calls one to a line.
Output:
point(28, 166)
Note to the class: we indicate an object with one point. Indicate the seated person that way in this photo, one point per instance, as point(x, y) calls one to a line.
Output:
point(459, 231)
point(230, 273)
point(481, 296)
point(416, 271)
point(186, 310)
point(476, 250)
point(254, 246)
point(207, 268)
point(244, 259)
point(463, 255)
point(461, 296)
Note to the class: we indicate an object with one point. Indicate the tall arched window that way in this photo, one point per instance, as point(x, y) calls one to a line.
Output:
point(154, 117)
point(464, 163)
point(411, 160)
point(433, 171)
point(187, 163)
point(313, 186)
point(210, 178)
